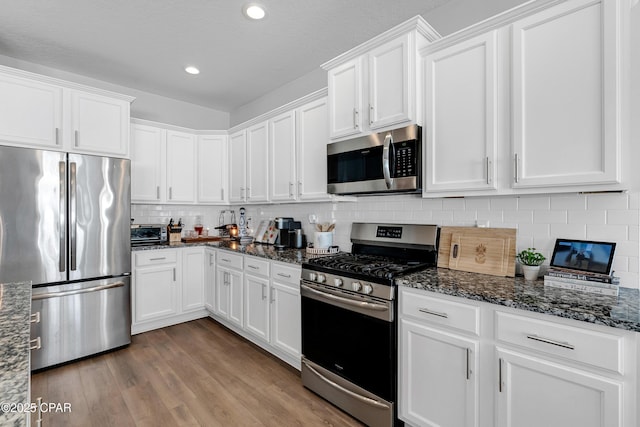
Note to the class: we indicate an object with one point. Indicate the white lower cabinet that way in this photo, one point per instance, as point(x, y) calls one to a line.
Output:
point(209, 278)
point(286, 312)
point(464, 363)
point(168, 287)
point(256, 305)
point(229, 288)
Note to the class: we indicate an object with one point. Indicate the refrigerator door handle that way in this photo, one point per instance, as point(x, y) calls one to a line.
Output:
point(36, 297)
point(62, 168)
point(73, 217)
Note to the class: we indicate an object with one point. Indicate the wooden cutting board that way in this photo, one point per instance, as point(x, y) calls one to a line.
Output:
point(480, 250)
point(201, 239)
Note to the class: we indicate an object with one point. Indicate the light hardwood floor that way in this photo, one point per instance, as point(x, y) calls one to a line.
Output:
point(194, 374)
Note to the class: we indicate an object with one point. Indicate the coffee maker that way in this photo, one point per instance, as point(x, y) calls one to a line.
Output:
point(289, 233)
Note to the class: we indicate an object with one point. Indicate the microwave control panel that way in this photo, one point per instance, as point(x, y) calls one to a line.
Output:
point(405, 159)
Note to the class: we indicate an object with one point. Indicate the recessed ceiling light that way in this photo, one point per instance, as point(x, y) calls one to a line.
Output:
point(192, 70)
point(254, 11)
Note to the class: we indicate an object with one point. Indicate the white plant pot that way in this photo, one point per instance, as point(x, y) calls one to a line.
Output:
point(530, 272)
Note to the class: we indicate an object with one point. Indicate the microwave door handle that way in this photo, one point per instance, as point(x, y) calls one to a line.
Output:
point(386, 169)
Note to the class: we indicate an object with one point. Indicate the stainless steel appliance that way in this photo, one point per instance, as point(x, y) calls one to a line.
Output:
point(148, 234)
point(385, 162)
point(349, 331)
point(64, 225)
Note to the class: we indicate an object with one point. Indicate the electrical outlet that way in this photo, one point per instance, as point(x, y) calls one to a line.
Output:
point(313, 218)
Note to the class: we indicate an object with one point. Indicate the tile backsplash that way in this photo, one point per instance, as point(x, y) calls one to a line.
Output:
point(538, 219)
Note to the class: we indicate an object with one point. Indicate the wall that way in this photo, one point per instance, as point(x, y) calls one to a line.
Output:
point(539, 219)
point(146, 105)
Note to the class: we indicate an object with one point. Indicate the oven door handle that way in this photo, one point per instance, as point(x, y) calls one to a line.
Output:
point(361, 304)
point(361, 398)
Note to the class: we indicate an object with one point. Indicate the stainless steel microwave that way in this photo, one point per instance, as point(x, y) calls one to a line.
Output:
point(385, 162)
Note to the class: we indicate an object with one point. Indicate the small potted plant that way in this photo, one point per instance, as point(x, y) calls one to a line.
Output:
point(530, 259)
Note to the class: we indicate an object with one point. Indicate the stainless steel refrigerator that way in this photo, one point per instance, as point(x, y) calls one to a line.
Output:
point(64, 226)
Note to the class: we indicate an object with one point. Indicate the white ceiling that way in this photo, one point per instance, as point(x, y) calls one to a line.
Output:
point(145, 44)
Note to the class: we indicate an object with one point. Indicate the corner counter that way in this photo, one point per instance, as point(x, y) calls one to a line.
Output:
point(15, 314)
point(622, 312)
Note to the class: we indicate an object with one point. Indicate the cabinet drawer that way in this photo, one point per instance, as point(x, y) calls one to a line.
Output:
point(256, 265)
point(581, 345)
point(155, 257)
point(286, 274)
point(456, 315)
point(228, 259)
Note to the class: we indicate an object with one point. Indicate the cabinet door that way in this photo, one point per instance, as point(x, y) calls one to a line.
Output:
point(30, 112)
point(391, 92)
point(311, 147)
point(221, 299)
point(193, 278)
point(282, 139)
point(461, 88)
point(256, 306)
point(147, 154)
point(210, 279)
point(236, 301)
point(237, 165)
point(181, 167)
point(436, 369)
point(285, 318)
point(566, 96)
point(212, 168)
point(155, 292)
point(99, 124)
point(258, 163)
point(533, 392)
point(345, 99)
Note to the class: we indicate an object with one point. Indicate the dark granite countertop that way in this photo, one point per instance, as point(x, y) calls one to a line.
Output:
point(291, 256)
point(621, 312)
point(15, 316)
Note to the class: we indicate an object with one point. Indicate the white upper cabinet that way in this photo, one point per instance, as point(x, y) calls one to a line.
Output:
point(148, 145)
point(212, 169)
point(566, 95)
point(30, 112)
point(374, 86)
point(311, 148)
point(460, 129)
point(392, 77)
point(282, 155)
point(237, 164)
point(345, 93)
point(181, 167)
point(42, 112)
point(258, 163)
point(99, 124)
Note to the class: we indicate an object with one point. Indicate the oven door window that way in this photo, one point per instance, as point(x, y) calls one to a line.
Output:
point(357, 347)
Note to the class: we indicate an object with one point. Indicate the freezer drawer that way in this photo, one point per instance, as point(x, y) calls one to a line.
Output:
point(80, 319)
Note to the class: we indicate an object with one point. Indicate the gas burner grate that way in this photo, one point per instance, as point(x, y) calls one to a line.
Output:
point(369, 265)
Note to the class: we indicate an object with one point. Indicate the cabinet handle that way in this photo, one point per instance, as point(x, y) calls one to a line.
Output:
point(433, 313)
point(550, 341)
point(500, 375)
point(263, 294)
point(242, 192)
point(35, 317)
point(210, 259)
point(488, 171)
point(248, 193)
point(222, 194)
point(170, 193)
point(157, 259)
point(516, 168)
point(75, 140)
point(57, 136)
point(299, 188)
point(272, 296)
point(253, 267)
point(355, 118)
point(174, 274)
point(288, 276)
point(225, 259)
point(291, 189)
point(371, 114)
point(158, 192)
point(468, 363)
point(36, 344)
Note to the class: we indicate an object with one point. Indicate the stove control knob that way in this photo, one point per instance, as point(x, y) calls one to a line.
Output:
point(337, 282)
point(321, 278)
point(367, 289)
point(356, 286)
point(312, 276)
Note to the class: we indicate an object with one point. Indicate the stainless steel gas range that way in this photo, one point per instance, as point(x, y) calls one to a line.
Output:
point(349, 330)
